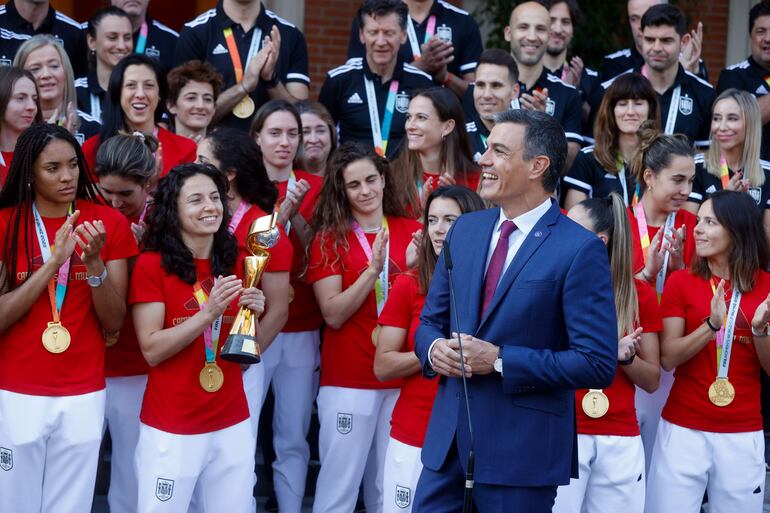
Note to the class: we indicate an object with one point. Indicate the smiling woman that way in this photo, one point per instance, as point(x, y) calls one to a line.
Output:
point(19, 108)
point(134, 103)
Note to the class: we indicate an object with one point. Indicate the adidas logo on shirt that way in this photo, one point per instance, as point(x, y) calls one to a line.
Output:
point(355, 99)
point(219, 50)
point(711, 189)
point(761, 90)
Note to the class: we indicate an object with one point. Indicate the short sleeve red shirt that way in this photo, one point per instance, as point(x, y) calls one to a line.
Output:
point(683, 217)
point(412, 411)
point(174, 400)
point(688, 296)
point(304, 314)
point(347, 353)
point(175, 150)
point(7, 157)
point(620, 419)
point(28, 368)
point(470, 181)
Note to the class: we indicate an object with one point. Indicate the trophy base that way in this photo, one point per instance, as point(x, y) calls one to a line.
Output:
point(241, 349)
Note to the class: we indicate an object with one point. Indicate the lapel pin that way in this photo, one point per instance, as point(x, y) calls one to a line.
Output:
point(538, 233)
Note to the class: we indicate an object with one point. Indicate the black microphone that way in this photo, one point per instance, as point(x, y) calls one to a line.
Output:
point(468, 495)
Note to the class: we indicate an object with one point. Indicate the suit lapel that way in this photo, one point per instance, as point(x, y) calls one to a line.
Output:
point(536, 237)
point(476, 276)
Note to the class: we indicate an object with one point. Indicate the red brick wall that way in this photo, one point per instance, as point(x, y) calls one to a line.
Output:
point(714, 14)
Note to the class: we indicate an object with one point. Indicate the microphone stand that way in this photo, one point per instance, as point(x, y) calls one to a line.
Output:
point(468, 495)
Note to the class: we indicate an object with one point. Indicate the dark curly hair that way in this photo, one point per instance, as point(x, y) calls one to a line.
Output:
point(163, 227)
point(18, 193)
point(238, 153)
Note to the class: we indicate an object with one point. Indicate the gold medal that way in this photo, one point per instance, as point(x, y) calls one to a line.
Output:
point(245, 108)
point(375, 334)
point(211, 377)
point(56, 338)
point(721, 392)
point(595, 403)
point(291, 294)
point(110, 339)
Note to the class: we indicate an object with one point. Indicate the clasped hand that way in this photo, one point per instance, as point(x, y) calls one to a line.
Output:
point(479, 356)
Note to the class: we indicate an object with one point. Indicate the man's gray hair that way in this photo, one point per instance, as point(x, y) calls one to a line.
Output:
point(543, 136)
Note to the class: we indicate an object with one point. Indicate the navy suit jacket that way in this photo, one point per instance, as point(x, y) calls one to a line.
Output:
point(553, 314)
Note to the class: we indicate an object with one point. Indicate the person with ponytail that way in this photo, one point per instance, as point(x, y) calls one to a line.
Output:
point(63, 284)
point(195, 434)
point(437, 151)
point(126, 171)
point(715, 333)
point(662, 237)
point(395, 358)
point(134, 103)
point(362, 233)
point(732, 161)
point(610, 452)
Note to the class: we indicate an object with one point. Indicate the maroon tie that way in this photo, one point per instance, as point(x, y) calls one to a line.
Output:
point(496, 263)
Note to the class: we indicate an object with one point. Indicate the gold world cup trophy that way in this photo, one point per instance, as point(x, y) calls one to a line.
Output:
point(242, 346)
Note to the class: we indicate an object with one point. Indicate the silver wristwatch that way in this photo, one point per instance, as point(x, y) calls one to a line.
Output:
point(498, 365)
point(96, 281)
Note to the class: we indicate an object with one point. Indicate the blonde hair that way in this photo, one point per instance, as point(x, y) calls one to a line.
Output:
point(752, 119)
point(39, 41)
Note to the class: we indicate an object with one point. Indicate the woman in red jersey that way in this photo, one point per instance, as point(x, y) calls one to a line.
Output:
point(19, 108)
point(715, 333)
point(63, 283)
point(362, 232)
point(125, 168)
point(437, 151)
point(662, 237)
point(194, 432)
point(395, 356)
point(611, 456)
point(291, 363)
point(135, 101)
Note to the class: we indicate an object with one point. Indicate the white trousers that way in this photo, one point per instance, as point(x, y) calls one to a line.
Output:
point(49, 451)
point(687, 462)
point(648, 410)
point(217, 466)
point(124, 403)
point(291, 364)
point(402, 470)
point(611, 477)
point(355, 429)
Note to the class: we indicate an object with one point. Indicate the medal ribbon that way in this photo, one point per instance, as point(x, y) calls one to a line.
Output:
point(767, 80)
point(672, 110)
point(724, 337)
point(644, 238)
point(291, 185)
point(238, 216)
point(724, 172)
point(233, 50)
point(381, 285)
point(380, 134)
point(412, 34)
point(56, 292)
point(141, 41)
point(621, 167)
point(211, 333)
point(96, 107)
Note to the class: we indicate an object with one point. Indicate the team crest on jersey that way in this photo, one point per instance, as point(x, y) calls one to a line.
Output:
point(403, 496)
point(164, 489)
point(550, 106)
point(6, 459)
point(444, 33)
point(344, 423)
point(402, 102)
point(685, 105)
point(152, 52)
point(756, 194)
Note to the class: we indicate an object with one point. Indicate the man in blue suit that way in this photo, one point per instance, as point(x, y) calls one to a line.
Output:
point(536, 314)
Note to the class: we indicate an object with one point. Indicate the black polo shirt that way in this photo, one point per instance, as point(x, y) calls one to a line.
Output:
point(90, 96)
point(589, 81)
point(203, 38)
point(161, 43)
point(344, 95)
point(477, 137)
point(451, 24)
point(14, 30)
point(89, 127)
point(588, 176)
point(616, 63)
point(706, 184)
point(564, 103)
point(748, 76)
point(693, 114)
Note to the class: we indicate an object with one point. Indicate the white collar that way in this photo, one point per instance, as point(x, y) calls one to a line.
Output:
point(526, 221)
